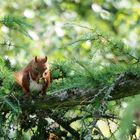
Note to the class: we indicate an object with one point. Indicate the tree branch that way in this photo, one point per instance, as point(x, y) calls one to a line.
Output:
point(64, 124)
point(126, 85)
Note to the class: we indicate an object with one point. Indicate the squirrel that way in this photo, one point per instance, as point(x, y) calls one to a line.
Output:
point(35, 76)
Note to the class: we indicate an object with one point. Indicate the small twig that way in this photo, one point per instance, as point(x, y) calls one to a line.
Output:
point(111, 133)
point(74, 24)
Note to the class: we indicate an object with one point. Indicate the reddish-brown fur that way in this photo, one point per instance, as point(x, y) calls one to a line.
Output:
point(38, 68)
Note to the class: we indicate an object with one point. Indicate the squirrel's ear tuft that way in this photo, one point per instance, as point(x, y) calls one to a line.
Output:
point(46, 58)
point(35, 58)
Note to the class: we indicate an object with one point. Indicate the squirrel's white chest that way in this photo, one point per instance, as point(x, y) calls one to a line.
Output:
point(34, 86)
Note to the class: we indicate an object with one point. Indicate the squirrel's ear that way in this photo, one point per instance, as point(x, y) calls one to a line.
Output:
point(46, 58)
point(35, 58)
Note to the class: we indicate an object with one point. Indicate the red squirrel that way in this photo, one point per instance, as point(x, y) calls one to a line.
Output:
point(35, 76)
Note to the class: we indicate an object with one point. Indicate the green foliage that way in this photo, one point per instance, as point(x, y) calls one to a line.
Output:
point(78, 73)
point(6, 89)
point(16, 23)
point(6, 77)
point(127, 123)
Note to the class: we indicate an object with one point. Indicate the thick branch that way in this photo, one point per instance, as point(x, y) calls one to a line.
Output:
point(128, 85)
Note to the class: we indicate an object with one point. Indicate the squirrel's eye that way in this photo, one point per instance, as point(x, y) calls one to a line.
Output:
point(36, 69)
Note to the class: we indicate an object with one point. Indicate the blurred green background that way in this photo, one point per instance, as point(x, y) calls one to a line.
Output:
point(56, 24)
